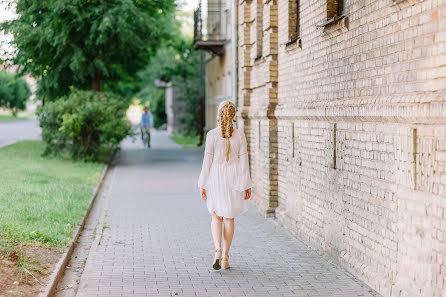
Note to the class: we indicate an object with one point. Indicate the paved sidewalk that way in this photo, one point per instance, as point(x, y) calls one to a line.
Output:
point(20, 130)
point(155, 239)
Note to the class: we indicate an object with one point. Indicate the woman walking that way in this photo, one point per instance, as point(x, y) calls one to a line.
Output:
point(225, 182)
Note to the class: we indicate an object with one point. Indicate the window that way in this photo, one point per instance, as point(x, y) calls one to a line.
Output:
point(297, 18)
point(341, 7)
point(335, 14)
point(294, 20)
point(259, 29)
point(335, 8)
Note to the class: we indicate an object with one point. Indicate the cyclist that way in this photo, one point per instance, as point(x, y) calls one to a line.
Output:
point(146, 124)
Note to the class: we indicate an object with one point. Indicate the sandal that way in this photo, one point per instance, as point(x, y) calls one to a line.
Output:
point(217, 260)
point(225, 262)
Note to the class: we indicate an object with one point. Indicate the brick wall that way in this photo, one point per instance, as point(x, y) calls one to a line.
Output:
point(347, 133)
point(258, 94)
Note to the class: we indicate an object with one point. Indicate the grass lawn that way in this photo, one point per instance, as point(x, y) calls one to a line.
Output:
point(187, 141)
point(10, 118)
point(42, 198)
point(41, 202)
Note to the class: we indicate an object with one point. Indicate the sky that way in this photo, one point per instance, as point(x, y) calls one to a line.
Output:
point(188, 5)
point(5, 14)
point(186, 19)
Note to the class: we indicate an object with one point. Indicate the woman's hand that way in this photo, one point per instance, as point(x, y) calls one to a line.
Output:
point(247, 194)
point(203, 193)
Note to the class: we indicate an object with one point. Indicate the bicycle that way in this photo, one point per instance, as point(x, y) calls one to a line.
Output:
point(145, 136)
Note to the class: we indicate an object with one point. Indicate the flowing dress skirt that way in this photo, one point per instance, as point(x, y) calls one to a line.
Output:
point(223, 196)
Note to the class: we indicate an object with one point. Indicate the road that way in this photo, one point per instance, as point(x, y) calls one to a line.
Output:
point(20, 130)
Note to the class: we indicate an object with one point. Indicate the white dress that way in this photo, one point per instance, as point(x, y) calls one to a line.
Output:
point(225, 182)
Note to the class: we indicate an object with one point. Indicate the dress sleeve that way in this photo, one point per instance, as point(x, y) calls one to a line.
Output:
point(244, 180)
point(207, 161)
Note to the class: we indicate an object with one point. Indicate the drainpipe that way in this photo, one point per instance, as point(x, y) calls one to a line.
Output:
point(234, 56)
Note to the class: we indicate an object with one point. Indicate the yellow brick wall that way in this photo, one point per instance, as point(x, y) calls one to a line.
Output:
point(347, 134)
point(258, 95)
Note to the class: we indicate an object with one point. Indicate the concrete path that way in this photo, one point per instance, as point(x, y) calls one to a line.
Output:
point(20, 130)
point(149, 236)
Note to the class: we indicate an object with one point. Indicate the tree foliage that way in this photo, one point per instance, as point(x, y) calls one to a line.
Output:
point(83, 123)
point(14, 91)
point(88, 44)
point(148, 91)
point(186, 77)
point(178, 63)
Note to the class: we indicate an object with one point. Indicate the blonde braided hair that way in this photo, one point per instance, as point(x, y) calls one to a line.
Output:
point(226, 114)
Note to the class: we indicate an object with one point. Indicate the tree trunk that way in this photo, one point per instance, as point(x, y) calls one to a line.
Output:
point(202, 121)
point(202, 99)
point(96, 82)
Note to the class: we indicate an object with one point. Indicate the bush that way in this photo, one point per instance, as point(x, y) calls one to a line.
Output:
point(14, 91)
point(83, 123)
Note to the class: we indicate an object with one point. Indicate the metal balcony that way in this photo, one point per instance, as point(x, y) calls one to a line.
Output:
point(210, 27)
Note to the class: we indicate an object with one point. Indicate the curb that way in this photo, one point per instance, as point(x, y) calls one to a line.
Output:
point(59, 270)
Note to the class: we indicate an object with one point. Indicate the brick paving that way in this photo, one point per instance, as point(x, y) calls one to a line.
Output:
point(154, 239)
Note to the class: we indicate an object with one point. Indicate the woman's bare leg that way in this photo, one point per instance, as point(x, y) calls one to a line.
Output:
point(216, 228)
point(228, 234)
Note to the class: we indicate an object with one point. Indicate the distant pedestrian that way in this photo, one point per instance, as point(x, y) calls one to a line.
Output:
point(146, 126)
point(225, 181)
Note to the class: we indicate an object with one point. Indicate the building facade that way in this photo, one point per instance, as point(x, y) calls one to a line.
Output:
point(344, 107)
point(213, 35)
point(218, 85)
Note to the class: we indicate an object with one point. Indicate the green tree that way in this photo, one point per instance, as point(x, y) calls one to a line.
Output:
point(177, 63)
point(148, 91)
point(88, 44)
point(185, 76)
point(14, 91)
